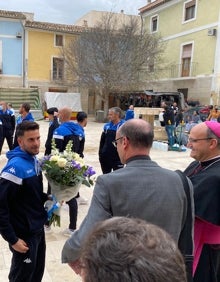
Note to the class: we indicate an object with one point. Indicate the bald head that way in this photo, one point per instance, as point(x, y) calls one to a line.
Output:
point(65, 114)
point(4, 105)
point(139, 133)
point(201, 127)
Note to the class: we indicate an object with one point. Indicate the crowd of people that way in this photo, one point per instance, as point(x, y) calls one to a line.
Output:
point(179, 122)
point(139, 214)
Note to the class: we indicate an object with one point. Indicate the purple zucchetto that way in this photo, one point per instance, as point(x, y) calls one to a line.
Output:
point(214, 126)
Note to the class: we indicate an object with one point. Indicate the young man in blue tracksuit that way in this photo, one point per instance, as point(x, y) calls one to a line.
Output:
point(67, 131)
point(22, 213)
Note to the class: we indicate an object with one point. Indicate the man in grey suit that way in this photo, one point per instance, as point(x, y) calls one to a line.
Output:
point(142, 189)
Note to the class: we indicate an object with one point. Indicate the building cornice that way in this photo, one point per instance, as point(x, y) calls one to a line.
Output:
point(152, 5)
point(54, 27)
point(12, 14)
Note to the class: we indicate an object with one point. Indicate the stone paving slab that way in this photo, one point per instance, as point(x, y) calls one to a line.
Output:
point(55, 271)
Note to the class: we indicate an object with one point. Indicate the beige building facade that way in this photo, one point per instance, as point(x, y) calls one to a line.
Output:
point(190, 34)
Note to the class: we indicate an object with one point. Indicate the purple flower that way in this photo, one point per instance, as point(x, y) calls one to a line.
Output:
point(76, 165)
point(89, 171)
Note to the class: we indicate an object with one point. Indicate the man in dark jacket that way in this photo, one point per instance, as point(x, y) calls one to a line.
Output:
point(53, 124)
point(204, 142)
point(67, 131)
point(108, 155)
point(7, 123)
point(52, 115)
point(22, 213)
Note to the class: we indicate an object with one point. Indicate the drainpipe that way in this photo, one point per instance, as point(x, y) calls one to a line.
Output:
point(23, 55)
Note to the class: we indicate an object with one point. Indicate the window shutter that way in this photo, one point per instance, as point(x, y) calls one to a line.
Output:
point(190, 4)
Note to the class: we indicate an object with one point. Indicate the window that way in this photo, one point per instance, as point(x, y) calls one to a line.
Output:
point(58, 69)
point(154, 23)
point(186, 60)
point(190, 10)
point(59, 40)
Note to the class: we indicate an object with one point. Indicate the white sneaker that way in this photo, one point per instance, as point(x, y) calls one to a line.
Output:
point(68, 232)
point(82, 201)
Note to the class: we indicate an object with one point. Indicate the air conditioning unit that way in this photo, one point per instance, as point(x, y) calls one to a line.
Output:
point(18, 35)
point(211, 32)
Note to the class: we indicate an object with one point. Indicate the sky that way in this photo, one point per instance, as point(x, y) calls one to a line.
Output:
point(68, 11)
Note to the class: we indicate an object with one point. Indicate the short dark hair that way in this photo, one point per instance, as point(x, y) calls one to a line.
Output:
point(139, 132)
point(26, 126)
point(81, 116)
point(51, 111)
point(123, 249)
point(26, 106)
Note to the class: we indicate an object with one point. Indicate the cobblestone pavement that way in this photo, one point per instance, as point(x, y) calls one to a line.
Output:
point(55, 271)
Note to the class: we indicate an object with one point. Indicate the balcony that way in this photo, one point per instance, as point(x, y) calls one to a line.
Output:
point(183, 70)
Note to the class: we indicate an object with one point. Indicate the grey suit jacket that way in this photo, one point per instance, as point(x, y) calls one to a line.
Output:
point(142, 189)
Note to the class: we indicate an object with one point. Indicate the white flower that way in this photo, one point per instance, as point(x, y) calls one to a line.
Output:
point(78, 159)
point(54, 151)
point(54, 158)
point(61, 162)
point(66, 168)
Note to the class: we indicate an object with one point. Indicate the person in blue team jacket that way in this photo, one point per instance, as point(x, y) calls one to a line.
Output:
point(108, 155)
point(22, 213)
point(67, 131)
point(24, 114)
point(7, 124)
point(129, 113)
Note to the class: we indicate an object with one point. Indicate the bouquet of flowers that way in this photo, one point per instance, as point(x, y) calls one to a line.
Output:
point(65, 172)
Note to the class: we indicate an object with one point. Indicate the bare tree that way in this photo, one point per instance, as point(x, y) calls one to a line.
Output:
point(113, 56)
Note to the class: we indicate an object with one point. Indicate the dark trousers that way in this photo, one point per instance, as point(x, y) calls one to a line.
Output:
point(29, 267)
point(73, 212)
point(109, 165)
point(9, 138)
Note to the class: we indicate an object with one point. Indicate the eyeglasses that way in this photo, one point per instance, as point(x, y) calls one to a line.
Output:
point(192, 140)
point(115, 142)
